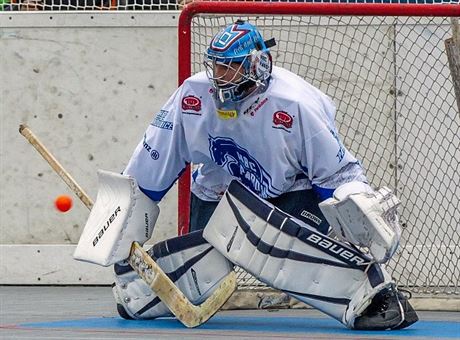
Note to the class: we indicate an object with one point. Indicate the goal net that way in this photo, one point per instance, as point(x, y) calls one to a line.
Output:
point(386, 68)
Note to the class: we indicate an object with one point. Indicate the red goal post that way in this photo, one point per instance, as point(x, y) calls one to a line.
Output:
point(393, 134)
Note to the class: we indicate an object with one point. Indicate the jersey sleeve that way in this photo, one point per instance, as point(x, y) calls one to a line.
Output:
point(323, 153)
point(162, 154)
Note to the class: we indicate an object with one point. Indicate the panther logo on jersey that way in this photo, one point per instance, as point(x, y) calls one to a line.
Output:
point(239, 163)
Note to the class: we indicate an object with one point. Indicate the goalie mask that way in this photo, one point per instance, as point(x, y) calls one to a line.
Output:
point(238, 62)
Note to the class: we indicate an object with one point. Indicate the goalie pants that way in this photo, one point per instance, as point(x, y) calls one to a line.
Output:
point(302, 204)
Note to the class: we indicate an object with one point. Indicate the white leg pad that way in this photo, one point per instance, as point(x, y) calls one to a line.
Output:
point(135, 295)
point(292, 256)
point(190, 262)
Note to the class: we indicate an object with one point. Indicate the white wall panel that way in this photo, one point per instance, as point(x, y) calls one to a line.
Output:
point(88, 86)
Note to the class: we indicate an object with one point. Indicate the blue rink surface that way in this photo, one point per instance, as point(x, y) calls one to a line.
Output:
point(280, 324)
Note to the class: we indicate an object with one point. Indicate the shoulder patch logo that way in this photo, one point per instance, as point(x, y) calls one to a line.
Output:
point(282, 118)
point(191, 103)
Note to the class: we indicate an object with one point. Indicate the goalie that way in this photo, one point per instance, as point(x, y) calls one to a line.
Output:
point(278, 192)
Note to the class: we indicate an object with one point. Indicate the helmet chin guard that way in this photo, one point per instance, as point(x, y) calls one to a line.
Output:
point(240, 49)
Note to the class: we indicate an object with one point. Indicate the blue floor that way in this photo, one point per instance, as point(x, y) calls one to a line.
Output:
point(294, 325)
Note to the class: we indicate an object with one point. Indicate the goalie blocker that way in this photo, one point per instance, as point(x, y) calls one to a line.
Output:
point(292, 256)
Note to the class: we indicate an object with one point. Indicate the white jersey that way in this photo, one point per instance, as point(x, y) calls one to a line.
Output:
point(281, 140)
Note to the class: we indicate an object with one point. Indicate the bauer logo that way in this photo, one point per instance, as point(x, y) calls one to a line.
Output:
point(191, 103)
point(335, 249)
point(106, 225)
point(282, 120)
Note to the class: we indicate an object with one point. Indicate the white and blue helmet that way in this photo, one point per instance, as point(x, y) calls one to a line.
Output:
point(240, 47)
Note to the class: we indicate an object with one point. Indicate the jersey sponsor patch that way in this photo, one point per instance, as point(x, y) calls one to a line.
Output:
point(154, 154)
point(160, 121)
point(227, 114)
point(191, 103)
point(255, 106)
point(282, 120)
point(240, 164)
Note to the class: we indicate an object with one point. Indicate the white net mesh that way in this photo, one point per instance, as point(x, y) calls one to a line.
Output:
point(397, 112)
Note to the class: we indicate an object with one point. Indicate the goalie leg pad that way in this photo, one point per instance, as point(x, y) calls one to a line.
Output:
point(134, 298)
point(189, 261)
point(294, 257)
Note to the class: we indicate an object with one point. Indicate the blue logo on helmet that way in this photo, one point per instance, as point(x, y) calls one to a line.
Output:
point(224, 40)
point(236, 41)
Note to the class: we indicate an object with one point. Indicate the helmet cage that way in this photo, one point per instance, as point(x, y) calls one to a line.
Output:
point(231, 88)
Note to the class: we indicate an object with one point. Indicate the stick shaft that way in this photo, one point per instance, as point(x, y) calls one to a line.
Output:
point(57, 167)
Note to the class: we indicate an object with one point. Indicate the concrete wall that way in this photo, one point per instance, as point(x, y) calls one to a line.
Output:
point(87, 85)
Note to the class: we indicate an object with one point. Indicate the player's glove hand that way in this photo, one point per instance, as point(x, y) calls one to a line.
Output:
point(121, 215)
point(365, 217)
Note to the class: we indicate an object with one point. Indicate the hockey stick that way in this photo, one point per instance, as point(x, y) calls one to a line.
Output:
point(453, 56)
point(186, 312)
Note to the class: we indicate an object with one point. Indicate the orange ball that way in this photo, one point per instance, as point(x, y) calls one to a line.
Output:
point(63, 203)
